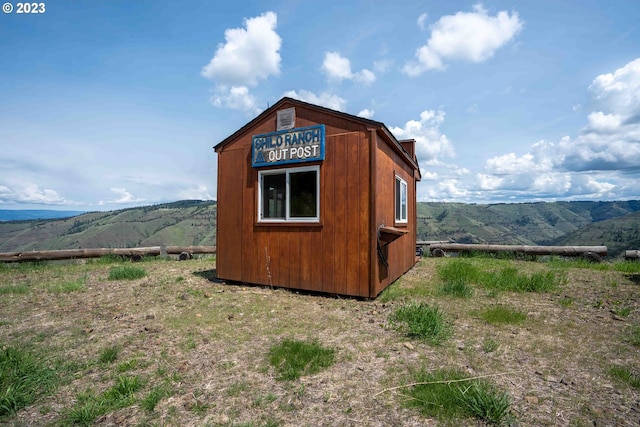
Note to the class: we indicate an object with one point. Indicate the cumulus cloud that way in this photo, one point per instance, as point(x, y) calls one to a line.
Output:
point(466, 36)
point(325, 99)
point(199, 192)
point(611, 139)
point(31, 193)
point(249, 54)
point(338, 68)
point(123, 197)
point(601, 162)
point(619, 92)
point(235, 97)
point(431, 144)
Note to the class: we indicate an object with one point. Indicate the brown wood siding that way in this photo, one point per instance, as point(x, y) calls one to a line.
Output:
point(229, 223)
point(331, 257)
point(401, 252)
point(334, 256)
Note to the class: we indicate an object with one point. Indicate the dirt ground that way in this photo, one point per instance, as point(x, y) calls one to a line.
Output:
point(207, 343)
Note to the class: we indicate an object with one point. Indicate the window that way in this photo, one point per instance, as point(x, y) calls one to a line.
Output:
point(289, 195)
point(401, 200)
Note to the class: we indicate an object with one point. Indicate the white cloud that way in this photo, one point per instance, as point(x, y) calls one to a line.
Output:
point(199, 192)
point(466, 36)
point(124, 197)
point(619, 91)
point(602, 162)
point(235, 97)
point(431, 144)
point(366, 113)
point(422, 19)
point(31, 193)
point(338, 68)
point(325, 99)
point(249, 54)
point(611, 139)
point(600, 122)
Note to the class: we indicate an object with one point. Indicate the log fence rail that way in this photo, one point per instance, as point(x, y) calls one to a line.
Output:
point(133, 253)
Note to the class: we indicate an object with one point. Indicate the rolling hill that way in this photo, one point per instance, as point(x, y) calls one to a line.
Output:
point(186, 223)
point(518, 223)
point(192, 222)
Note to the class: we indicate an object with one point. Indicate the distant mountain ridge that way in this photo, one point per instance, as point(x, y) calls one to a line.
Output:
point(30, 214)
point(193, 222)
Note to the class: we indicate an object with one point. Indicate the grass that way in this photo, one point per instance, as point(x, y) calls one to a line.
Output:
point(294, 358)
point(155, 395)
point(401, 289)
point(67, 286)
point(458, 274)
point(450, 396)
point(89, 406)
point(109, 354)
point(489, 345)
point(18, 289)
point(500, 315)
point(625, 375)
point(457, 288)
point(632, 335)
point(459, 270)
point(192, 351)
point(419, 320)
point(126, 272)
point(510, 280)
point(24, 376)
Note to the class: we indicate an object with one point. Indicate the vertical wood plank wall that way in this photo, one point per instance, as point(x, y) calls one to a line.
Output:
point(331, 257)
point(334, 256)
point(400, 252)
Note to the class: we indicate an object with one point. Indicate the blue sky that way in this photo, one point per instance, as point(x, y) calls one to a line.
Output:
point(106, 104)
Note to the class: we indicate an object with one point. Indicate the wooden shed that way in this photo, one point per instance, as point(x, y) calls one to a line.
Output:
point(315, 199)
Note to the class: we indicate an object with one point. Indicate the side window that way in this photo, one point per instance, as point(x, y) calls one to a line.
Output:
point(401, 200)
point(289, 195)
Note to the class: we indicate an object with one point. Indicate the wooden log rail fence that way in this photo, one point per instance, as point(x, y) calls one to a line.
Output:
point(96, 253)
point(438, 249)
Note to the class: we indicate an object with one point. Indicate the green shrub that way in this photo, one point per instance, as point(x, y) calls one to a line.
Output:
point(293, 358)
point(418, 320)
point(126, 272)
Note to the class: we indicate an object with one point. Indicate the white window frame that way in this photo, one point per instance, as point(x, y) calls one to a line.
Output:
point(288, 217)
point(404, 188)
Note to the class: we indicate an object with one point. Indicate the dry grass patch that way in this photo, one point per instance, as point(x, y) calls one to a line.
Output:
point(192, 351)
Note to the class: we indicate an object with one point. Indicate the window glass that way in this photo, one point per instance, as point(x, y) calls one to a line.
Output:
point(273, 196)
point(401, 200)
point(302, 192)
point(289, 194)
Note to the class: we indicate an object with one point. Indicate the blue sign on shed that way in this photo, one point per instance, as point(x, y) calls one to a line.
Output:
point(288, 146)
